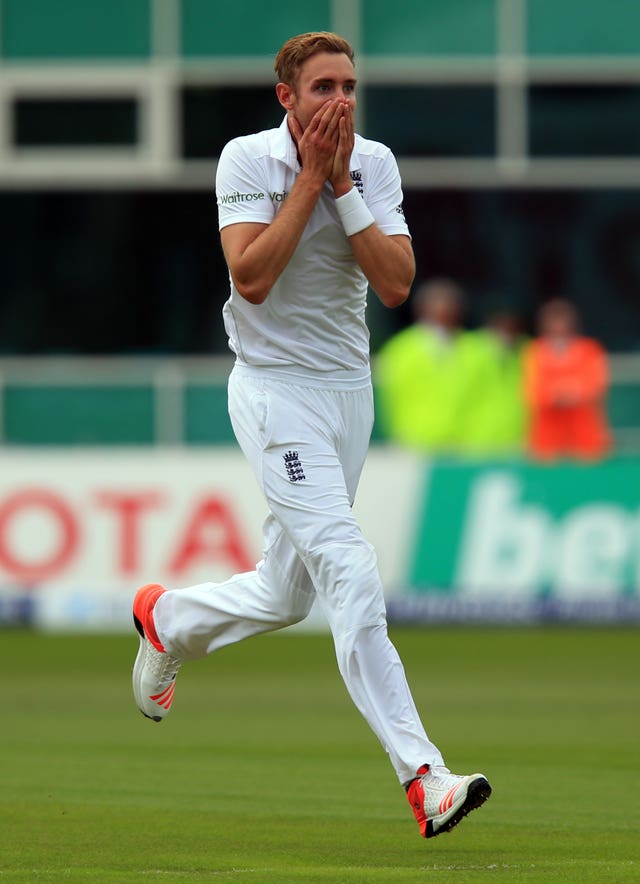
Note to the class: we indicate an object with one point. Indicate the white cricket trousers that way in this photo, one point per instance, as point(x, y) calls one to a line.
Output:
point(306, 440)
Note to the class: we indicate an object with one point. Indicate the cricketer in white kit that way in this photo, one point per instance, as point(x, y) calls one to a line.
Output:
point(310, 215)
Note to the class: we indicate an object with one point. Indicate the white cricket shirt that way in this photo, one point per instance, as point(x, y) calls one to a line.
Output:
point(314, 316)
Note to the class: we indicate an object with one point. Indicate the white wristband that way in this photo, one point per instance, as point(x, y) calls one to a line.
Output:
point(353, 211)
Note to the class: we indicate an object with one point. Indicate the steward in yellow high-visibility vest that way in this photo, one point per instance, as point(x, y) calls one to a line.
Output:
point(494, 421)
point(443, 390)
point(420, 373)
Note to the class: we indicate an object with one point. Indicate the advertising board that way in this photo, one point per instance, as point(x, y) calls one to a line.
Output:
point(81, 530)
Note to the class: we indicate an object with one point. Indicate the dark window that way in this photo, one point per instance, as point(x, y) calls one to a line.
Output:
point(110, 272)
point(71, 122)
point(432, 121)
point(142, 271)
point(212, 115)
point(584, 121)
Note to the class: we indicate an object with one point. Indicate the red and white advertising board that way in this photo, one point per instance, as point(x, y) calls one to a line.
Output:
point(82, 529)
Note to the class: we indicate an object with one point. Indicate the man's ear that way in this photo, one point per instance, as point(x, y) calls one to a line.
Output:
point(286, 95)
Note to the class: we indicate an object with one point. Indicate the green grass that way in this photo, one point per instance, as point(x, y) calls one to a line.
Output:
point(264, 772)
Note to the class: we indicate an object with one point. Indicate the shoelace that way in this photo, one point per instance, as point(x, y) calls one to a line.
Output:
point(440, 778)
point(164, 666)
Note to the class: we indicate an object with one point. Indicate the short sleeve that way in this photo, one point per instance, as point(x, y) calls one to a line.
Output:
point(241, 187)
point(384, 196)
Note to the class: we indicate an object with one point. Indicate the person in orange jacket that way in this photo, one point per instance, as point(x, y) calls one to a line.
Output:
point(566, 383)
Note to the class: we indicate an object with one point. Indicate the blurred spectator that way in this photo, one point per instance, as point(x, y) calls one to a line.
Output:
point(422, 375)
point(494, 417)
point(566, 382)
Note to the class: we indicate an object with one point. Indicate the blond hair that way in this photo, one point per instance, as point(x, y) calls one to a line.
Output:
point(297, 50)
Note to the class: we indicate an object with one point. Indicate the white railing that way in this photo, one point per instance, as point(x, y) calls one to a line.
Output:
point(156, 161)
point(169, 378)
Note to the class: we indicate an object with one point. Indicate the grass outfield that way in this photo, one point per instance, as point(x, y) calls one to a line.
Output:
point(265, 772)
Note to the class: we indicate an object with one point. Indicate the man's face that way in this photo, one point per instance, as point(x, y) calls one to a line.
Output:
point(322, 77)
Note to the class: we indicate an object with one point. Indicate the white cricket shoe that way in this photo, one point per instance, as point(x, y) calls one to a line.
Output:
point(440, 799)
point(154, 671)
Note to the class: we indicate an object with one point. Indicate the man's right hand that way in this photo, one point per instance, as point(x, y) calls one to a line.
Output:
point(318, 143)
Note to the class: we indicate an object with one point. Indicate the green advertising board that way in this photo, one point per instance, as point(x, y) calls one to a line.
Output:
point(519, 540)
